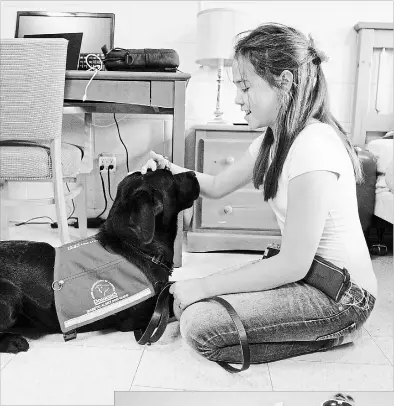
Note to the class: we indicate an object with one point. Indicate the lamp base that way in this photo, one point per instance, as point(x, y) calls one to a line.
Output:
point(218, 120)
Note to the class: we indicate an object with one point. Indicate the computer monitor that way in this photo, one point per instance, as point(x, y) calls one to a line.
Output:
point(73, 47)
point(97, 28)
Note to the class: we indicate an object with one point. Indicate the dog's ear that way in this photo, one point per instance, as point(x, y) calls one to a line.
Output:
point(145, 205)
point(188, 189)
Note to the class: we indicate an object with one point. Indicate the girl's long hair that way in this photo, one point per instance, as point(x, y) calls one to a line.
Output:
point(272, 48)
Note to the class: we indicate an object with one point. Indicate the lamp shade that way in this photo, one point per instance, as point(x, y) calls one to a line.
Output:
point(215, 36)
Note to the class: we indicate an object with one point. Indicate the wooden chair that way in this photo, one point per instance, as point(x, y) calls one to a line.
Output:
point(32, 77)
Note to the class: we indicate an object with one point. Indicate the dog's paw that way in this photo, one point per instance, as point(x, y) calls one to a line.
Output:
point(13, 343)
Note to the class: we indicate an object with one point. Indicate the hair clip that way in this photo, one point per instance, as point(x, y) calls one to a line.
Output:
point(316, 60)
point(318, 56)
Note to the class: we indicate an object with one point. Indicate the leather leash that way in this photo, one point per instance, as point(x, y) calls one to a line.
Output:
point(243, 339)
point(159, 321)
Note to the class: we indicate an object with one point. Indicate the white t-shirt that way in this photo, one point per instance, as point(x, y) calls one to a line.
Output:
point(318, 147)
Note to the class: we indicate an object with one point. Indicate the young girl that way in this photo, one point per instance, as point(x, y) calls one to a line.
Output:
point(307, 170)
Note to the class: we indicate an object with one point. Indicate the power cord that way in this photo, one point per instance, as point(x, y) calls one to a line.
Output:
point(86, 88)
point(91, 68)
point(105, 195)
point(72, 201)
point(52, 223)
point(127, 152)
point(35, 218)
point(109, 181)
point(98, 221)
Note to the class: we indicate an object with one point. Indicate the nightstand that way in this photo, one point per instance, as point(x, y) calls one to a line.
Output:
point(239, 221)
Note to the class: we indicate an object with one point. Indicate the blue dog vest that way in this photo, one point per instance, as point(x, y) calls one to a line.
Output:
point(91, 283)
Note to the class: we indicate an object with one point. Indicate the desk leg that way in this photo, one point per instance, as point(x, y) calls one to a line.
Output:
point(89, 140)
point(178, 155)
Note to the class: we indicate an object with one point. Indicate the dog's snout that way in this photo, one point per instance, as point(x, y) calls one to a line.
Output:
point(188, 189)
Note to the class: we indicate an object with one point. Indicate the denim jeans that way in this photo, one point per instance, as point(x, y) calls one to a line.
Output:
point(288, 321)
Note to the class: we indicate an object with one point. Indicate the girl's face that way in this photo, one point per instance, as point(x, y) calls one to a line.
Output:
point(255, 96)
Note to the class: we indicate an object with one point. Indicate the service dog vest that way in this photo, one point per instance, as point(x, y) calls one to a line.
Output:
point(91, 283)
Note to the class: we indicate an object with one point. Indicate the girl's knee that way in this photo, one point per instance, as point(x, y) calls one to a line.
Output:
point(192, 323)
point(196, 325)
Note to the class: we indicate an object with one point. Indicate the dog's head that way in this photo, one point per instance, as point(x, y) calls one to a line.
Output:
point(149, 204)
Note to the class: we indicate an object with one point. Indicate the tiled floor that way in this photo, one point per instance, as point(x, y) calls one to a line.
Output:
point(88, 370)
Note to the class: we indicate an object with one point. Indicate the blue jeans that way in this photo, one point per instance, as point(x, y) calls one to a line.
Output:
point(285, 322)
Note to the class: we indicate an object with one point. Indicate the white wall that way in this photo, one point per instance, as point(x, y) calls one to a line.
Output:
point(172, 24)
point(331, 25)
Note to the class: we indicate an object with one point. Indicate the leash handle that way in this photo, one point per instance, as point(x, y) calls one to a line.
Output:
point(159, 320)
point(243, 339)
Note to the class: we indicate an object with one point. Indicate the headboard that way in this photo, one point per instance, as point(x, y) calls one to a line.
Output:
point(373, 91)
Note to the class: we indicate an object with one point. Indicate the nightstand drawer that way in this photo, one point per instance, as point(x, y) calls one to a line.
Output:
point(240, 220)
point(243, 209)
point(220, 153)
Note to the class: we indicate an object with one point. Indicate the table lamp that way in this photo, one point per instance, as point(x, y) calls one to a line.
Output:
point(215, 41)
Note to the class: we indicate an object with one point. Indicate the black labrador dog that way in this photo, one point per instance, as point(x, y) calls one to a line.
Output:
point(143, 216)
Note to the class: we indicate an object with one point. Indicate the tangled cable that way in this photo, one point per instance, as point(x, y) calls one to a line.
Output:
point(92, 68)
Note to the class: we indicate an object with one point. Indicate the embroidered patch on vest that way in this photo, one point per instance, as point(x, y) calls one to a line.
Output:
point(91, 283)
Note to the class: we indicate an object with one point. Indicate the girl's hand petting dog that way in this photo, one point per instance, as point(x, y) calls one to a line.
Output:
point(156, 161)
point(187, 292)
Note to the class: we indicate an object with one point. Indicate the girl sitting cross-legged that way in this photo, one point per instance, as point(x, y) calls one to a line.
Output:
point(307, 170)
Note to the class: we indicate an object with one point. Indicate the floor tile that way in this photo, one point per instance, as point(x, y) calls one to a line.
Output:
point(39, 232)
point(68, 376)
point(103, 339)
point(291, 375)
point(175, 365)
point(380, 323)
point(386, 345)
point(363, 351)
point(199, 264)
point(135, 388)
point(383, 268)
point(5, 359)
point(170, 365)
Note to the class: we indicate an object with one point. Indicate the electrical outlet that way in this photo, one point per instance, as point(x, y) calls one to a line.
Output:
point(106, 161)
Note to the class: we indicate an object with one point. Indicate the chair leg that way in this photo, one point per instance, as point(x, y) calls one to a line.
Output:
point(60, 203)
point(4, 232)
point(80, 206)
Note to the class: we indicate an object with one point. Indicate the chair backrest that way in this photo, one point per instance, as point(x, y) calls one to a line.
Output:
point(32, 77)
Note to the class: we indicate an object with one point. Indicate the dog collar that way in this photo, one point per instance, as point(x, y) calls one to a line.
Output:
point(156, 259)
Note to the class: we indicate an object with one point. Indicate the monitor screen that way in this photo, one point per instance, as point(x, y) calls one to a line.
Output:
point(97, 28)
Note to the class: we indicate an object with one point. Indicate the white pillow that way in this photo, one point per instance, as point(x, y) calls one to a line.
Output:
point(383, 151)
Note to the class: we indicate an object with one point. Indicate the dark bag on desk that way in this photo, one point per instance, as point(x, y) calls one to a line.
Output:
point(141, 60)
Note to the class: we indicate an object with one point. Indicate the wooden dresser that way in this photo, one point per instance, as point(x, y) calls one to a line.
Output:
point(239, 221)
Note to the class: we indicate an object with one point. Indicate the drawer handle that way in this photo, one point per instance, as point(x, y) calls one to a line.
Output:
point(228, 209)
point(230, 160)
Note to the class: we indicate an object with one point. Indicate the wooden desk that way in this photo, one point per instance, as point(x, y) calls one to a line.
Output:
point(132, 93)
